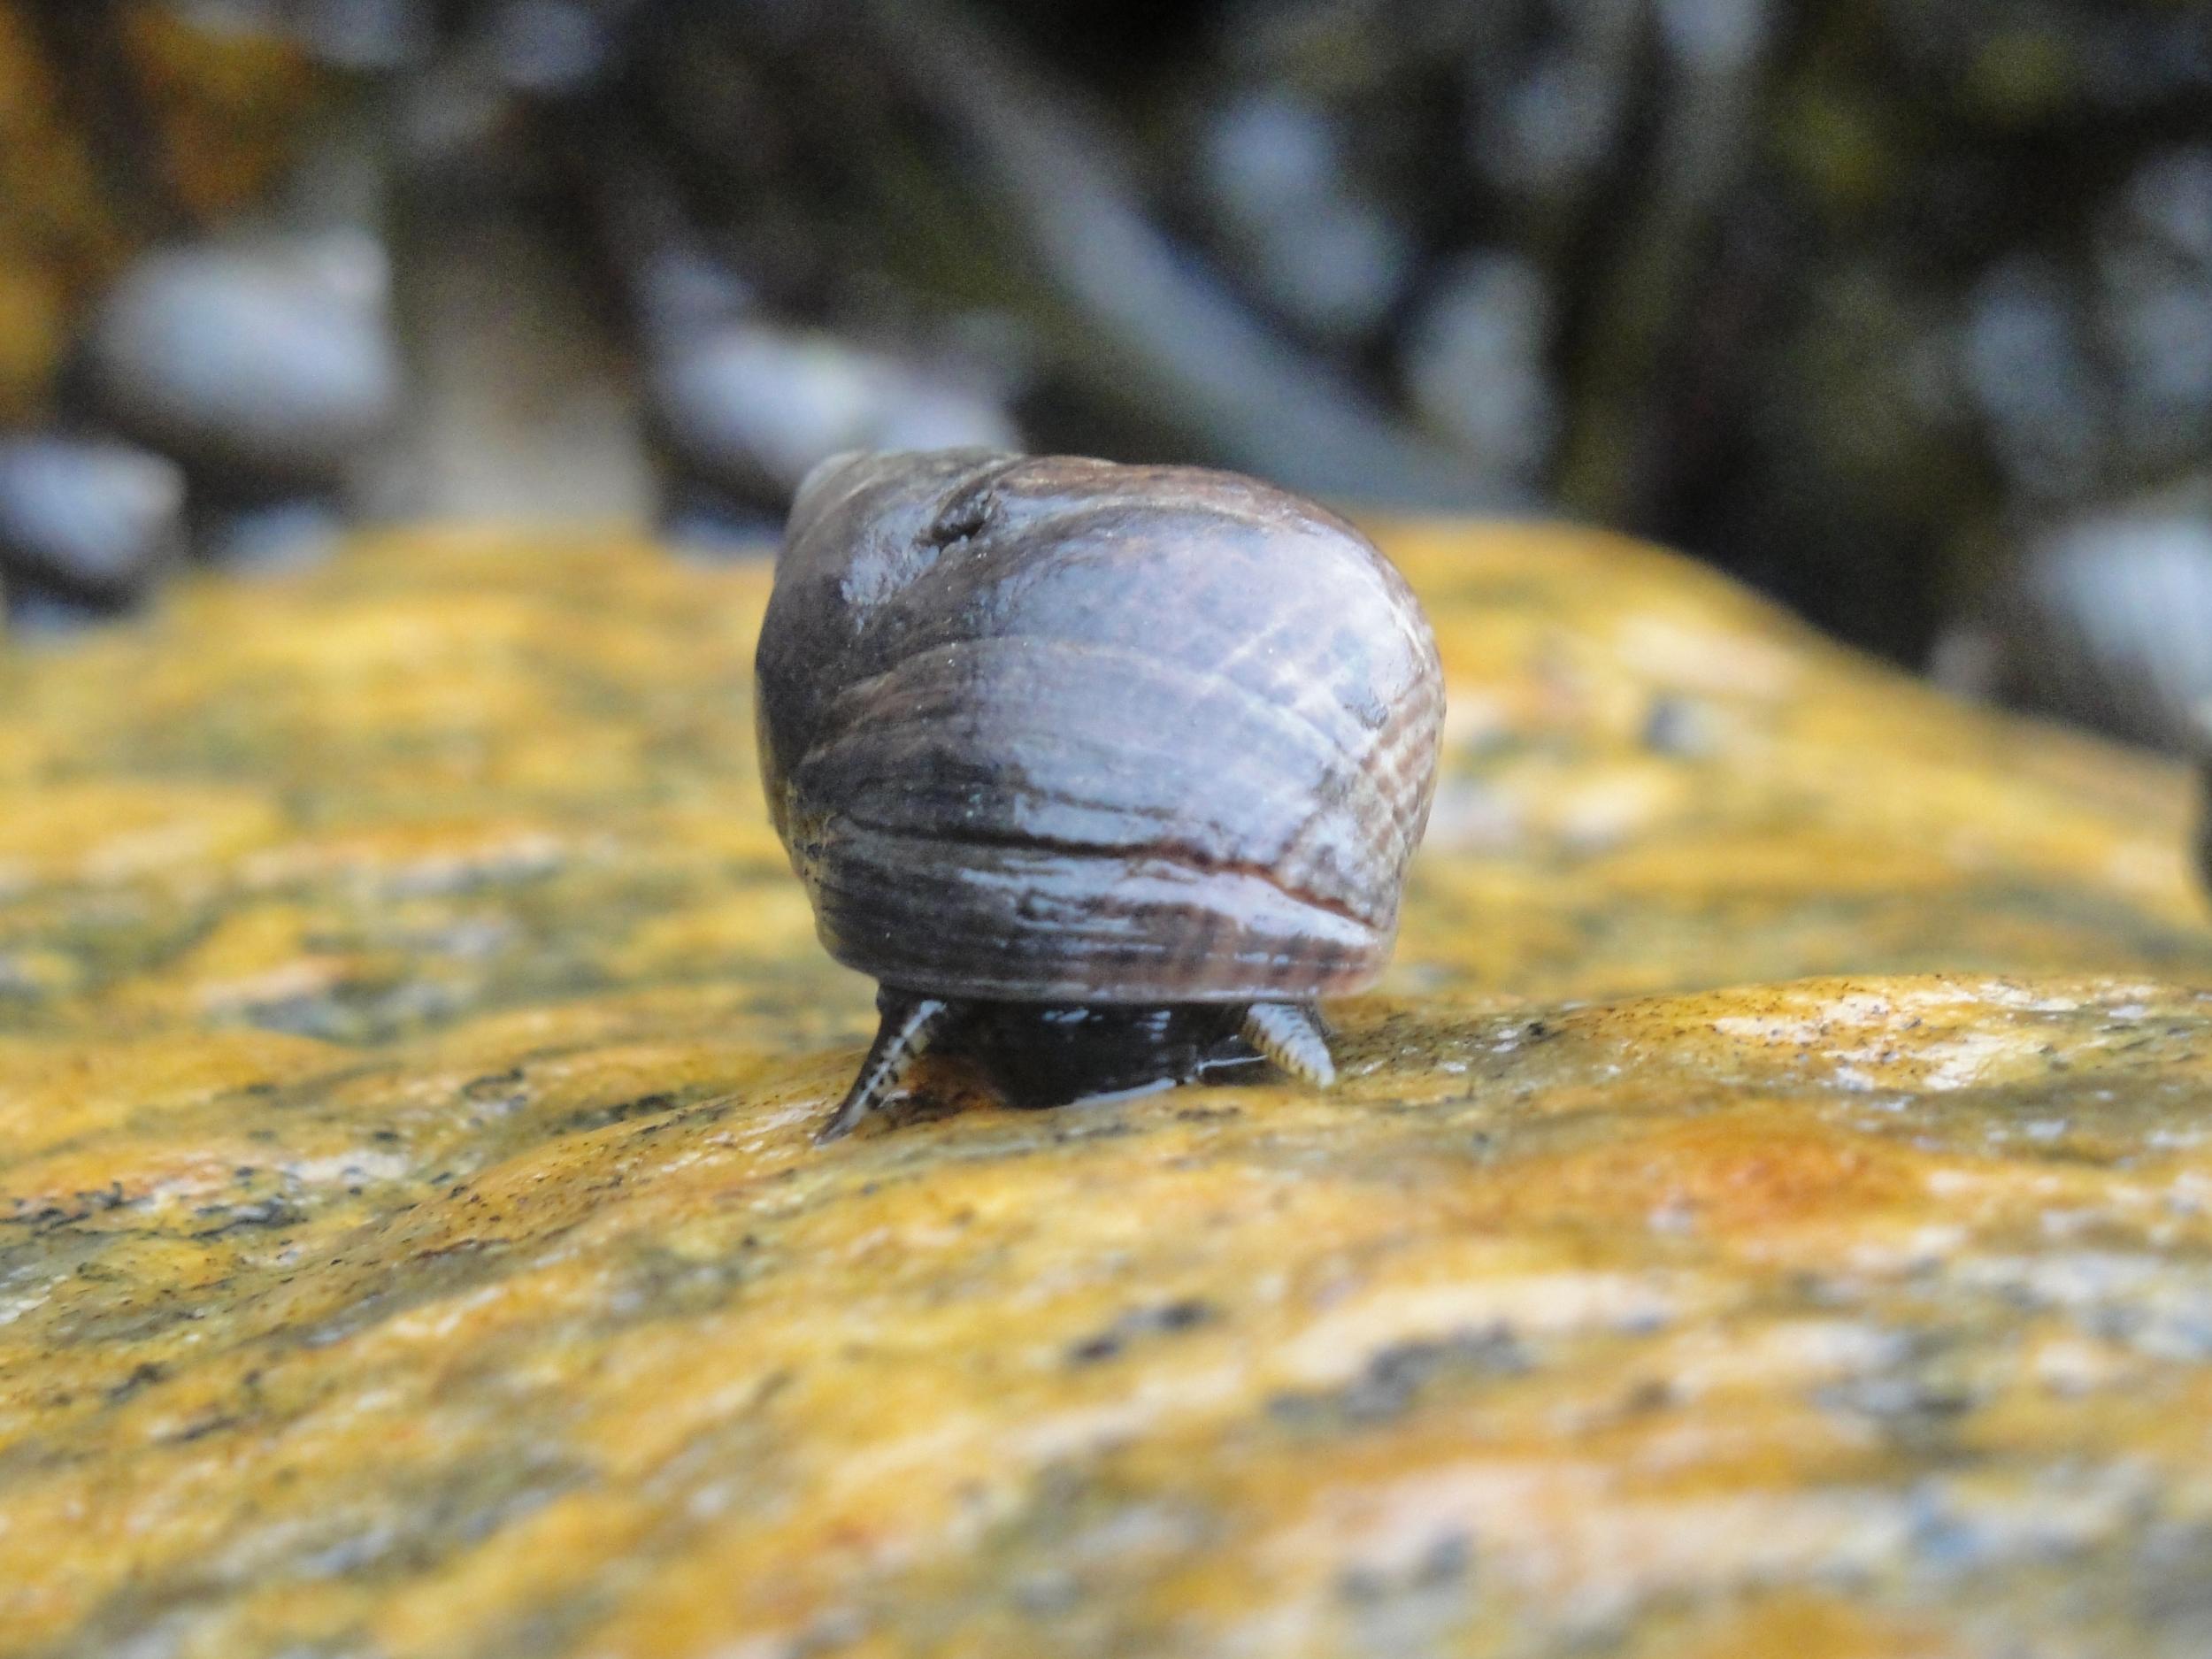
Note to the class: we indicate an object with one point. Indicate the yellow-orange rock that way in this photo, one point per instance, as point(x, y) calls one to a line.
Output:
point(410, 1243)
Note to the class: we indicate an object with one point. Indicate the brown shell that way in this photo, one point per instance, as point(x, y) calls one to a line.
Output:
point(1042, 728)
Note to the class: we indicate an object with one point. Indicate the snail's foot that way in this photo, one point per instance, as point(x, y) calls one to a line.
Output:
point(1293, 1038)
point(910, 1025)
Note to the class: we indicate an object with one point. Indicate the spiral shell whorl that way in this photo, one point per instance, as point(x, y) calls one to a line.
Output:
point(1053, 729)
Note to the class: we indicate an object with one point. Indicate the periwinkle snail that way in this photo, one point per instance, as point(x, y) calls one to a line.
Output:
point(1105, 773)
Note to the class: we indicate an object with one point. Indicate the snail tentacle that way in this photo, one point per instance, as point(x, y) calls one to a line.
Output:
point(1293, 1038)
point(910, 1025)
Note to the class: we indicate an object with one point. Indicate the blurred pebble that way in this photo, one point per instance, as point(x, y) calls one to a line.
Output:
point(264, 364)
point(1474, 363)
point(2169, 199)
point(86, 524)
point(1552, 123)
point(2109, 622)
point(364, 36)
point(35, 611)
point(2155, 265)
point(549, 48)
point(276, 536)
point(2028, 368)
point(1714, 37)
point(750, 408)
point(682, 293)
point(1274, 179)
point(230, 17)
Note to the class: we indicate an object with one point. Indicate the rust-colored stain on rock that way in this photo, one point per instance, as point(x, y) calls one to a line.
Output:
point(410, 1244)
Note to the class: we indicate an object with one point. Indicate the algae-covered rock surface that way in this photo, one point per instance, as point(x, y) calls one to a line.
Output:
point(1765, 1213)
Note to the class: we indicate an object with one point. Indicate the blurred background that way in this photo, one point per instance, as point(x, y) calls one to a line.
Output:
point(1899, 310)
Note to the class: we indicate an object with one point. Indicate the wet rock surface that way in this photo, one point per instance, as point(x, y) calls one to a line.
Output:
point(410, 1242)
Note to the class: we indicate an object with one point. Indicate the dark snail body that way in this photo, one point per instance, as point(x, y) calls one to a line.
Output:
point(1048, 1053)
point(1053, 732)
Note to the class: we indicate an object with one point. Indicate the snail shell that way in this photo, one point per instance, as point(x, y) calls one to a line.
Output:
point(1051, 730)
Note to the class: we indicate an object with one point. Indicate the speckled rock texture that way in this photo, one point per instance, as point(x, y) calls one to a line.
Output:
point(411, 1248)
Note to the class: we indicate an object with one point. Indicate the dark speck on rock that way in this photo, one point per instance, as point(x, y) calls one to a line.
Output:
point(1396, 1375)
point(1164, 1319)
point(142, 1377)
